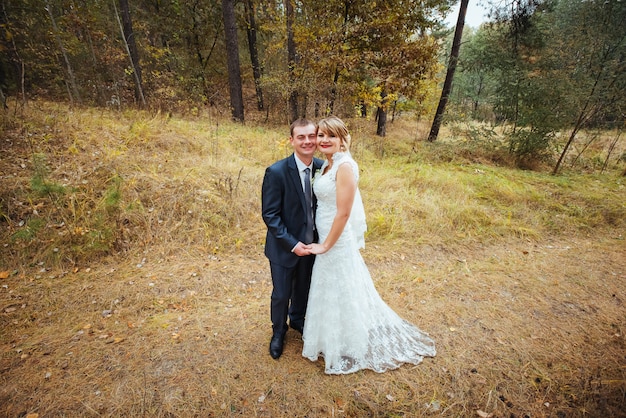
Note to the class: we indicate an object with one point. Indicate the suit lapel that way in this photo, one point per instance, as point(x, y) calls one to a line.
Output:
point(294, 176)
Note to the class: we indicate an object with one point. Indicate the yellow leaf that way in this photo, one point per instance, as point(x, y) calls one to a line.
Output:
point(4, 274)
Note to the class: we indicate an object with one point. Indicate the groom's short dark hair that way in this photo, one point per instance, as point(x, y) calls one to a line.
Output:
point(300, 122)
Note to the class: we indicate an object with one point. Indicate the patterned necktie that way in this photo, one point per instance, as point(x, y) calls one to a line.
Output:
point(309, 206)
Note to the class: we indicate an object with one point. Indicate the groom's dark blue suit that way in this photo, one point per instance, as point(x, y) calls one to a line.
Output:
point(284, 213)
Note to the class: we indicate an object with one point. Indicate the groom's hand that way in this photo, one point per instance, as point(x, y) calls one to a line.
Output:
point(302, 250)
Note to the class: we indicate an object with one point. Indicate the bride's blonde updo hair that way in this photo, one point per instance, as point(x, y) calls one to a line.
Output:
point(334, 126)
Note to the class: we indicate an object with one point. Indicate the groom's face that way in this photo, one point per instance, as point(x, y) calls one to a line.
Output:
point(303, 141)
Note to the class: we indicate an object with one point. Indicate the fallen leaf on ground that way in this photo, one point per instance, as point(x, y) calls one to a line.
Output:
point(4, 274)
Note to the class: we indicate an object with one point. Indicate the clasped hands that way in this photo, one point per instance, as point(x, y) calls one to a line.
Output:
point(308, 249)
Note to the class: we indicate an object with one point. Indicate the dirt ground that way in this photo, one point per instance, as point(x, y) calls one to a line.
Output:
point(526, 329)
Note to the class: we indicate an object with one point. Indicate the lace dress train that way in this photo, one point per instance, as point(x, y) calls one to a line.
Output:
point(347, 323)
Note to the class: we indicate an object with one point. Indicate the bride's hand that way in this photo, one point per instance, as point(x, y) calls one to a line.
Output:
point(317, 249)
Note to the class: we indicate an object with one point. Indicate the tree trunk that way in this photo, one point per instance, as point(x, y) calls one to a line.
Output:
point(14, 57)
point(476, 102)
point(305, 105)
point(381, 116)
point(292, 58)
point(3, 99)
point(254, 53)
point(232, 51)
point(447, 84)
point(202, 60)
point(71, 80)
point(586, 113)
point(100, 97)
point(363, 109)
point(333, 92)
point(126, 27)
point(608, 155)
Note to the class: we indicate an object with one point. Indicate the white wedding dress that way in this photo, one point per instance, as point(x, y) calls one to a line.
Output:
point(347, 323)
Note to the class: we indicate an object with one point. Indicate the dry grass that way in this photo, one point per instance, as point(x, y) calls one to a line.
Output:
point(518, 276)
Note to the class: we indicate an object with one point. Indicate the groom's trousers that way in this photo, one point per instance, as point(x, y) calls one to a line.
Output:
point(290, 294)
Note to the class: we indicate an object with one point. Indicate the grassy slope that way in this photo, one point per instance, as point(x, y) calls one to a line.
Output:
point(137, 286)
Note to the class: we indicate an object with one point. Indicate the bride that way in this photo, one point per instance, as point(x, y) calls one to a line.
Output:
point(347, 323)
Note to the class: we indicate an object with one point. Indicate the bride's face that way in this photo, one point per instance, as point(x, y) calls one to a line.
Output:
point(328, 144)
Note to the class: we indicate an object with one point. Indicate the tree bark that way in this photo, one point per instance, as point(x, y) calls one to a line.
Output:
point(97, 70)
point(254, 53)
point(447, 84)
point(198, 50)
point(14, 56)
point(3, 99)
point(608, 155)
point(232, 52)
point(333, 92)
point(126, 26)
point(363, 109)
point(292, 58)
point(381, 116)
point(71, 80)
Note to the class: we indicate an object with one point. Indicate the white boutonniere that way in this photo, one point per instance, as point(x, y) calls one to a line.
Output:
point(315, 173)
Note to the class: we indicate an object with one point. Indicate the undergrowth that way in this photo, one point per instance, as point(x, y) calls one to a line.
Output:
point(78, 184)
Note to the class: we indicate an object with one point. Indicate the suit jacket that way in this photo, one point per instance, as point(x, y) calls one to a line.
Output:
point(283, 208)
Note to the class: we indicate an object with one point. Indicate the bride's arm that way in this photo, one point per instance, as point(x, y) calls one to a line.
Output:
point(346, 189)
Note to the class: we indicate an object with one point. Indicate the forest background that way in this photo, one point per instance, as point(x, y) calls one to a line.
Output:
point(538, 68)
point(134, 139)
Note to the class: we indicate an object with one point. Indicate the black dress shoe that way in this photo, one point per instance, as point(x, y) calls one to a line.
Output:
point(297, 327)
point(276, 346)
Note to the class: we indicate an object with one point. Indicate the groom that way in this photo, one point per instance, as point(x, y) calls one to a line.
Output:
point(287, 207)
